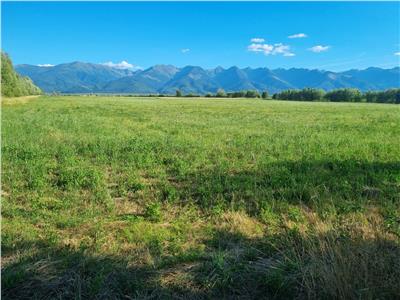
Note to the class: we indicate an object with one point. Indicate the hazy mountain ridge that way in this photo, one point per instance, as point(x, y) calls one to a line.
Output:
point(79, 77)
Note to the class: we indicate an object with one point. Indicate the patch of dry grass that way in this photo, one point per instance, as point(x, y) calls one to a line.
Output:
point(17, 100)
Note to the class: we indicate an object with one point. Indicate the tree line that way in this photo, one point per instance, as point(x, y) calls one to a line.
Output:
point(222, 94)
point(340, 95)
point(311, 94)
point(307, 94)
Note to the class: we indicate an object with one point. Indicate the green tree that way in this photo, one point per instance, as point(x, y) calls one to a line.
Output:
point(371, 96)
point(307, 94)
point(239, 94)
point(220, 93)
point(344, 95)
point(12, 84)
point(252, 94)
point(264, 95)
point(178, 93)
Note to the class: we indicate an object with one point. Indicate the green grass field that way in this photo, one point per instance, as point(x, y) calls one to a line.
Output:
point(162, 198)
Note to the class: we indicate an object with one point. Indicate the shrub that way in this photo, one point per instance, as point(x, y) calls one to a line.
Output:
point(220, 93)
point(252, 94)
point(152, 212)
point(306, 94)
point(344, 95)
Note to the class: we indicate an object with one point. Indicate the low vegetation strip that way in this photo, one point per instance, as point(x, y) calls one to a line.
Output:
point(120, 197)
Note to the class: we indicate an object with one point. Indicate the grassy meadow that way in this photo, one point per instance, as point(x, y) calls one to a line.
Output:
point(165, 198)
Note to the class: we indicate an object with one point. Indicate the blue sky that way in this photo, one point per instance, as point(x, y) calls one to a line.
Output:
point(332, 36)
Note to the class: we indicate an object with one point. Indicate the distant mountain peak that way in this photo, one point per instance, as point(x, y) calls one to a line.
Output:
point(81, 77)
point(162, 67)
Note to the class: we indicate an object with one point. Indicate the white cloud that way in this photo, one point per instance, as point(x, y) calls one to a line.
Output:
point(185, 50)
point(282, 49)
point(397, 53)
point(46, 65)
point(267, 49)
point(271, 49)
point(319, 48)
point(297, 36)
point(121, 65)
point(257, 40)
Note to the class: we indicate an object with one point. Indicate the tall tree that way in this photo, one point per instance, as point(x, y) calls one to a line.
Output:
point(12, 84)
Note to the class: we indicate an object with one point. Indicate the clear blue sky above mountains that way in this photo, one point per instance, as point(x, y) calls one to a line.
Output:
point(333, 36)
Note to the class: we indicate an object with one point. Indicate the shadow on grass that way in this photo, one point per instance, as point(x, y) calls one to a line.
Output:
point(233, 266)
point(343, 183)
point(280, 266)
point(66, 274)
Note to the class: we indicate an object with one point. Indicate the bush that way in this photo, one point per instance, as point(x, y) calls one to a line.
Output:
point(252, 94)
point(306, 94)
point(239, 94)
point(344, 95)
point(192, 95)
point(388, 96)
point(220, 93)
point(152, 212)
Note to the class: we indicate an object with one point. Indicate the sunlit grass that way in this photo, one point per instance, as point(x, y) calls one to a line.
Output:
point(199, 198)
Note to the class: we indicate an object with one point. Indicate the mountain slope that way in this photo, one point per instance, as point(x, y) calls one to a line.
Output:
point(13, 84)
point(191, 79)
point(75, 77)
point(81, 77)
point(301, 78)
point(265, 79)
point(145, 82)
point(234, 79)
point(377, 77)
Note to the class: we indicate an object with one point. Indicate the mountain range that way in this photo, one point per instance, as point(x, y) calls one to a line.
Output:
point(80, 77)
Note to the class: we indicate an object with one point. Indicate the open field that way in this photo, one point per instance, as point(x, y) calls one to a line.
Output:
point(8, 101)
point(164, 198)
